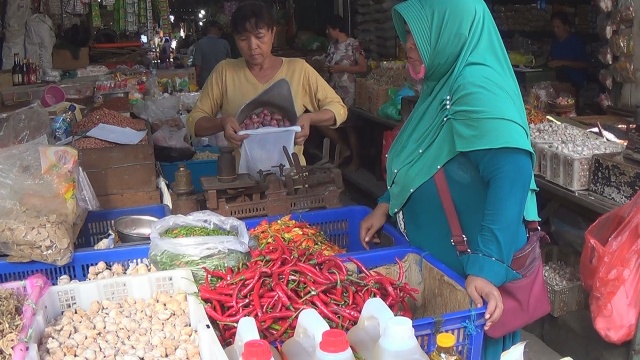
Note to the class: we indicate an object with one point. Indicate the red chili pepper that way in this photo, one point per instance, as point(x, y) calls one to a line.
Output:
point(219, 318)
point(400, 271)
point(256, 297)
point(322, 309)
point(360, 266)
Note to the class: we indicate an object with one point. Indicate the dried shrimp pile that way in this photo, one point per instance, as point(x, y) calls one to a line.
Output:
point(10, 322)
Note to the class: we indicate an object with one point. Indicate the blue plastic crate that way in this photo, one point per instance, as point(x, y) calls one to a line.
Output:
point(78, 268)
point(342, 227)
point(99, 223)
point(466, 325)
point(198, 168)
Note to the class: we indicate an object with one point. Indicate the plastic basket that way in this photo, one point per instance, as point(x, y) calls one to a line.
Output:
point(466, 325)
point(78, 268)
point(33, 289)
point(342, 227)
point(80, 295)
point(98, 223)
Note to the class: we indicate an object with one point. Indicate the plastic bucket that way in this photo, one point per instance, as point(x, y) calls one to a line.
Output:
point(53, 95)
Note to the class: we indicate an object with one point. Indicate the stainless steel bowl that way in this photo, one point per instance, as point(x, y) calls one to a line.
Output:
point(132, 229)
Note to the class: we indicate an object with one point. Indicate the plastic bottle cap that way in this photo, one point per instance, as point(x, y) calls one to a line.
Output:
point(256, 350)
point(72, 107)
point(399, 327)
point(446, 340)
point(334, 341)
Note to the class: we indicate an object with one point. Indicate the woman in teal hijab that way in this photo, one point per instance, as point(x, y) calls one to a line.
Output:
point(470, 120)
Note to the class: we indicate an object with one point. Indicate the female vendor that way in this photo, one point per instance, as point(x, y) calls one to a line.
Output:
point(568, 54)
point(234, 82)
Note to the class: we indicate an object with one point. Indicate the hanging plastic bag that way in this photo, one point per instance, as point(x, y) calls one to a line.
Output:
point(262, 150)
point(171, 138)
point(200, 239)
point(610, 270)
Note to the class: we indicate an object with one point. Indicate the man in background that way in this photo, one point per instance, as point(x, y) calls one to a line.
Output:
point(209, 51)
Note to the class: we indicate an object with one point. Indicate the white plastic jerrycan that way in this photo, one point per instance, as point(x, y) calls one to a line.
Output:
point(334, 346)
point(257, 350)
point(306, 337)
point(247, 331)
point(398, 341)
point(365, 335)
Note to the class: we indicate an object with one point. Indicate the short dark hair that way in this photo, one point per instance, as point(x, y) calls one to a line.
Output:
point(563, 17)
point(212, 24)
point(337, 22)
point(251, 16)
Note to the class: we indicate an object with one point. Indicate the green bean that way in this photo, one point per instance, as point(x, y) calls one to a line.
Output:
point(194, 231)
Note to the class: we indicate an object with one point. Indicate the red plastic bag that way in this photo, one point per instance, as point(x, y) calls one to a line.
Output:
point(387, 139)
point(610, 270)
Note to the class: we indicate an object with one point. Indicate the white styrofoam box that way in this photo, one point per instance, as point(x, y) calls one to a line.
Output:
point(80, 295)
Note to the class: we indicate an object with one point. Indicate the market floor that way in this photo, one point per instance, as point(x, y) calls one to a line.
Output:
point(537, 350)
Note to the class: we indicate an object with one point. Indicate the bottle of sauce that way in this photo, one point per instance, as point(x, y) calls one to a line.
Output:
point(16, 73)
point(32, 73)
point(445, 348)
point(25, 72)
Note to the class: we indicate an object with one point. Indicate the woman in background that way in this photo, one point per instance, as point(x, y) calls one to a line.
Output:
point(344, 60)
point(568, 54)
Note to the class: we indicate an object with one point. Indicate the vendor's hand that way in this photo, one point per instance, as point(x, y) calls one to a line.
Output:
point(231, 129)
point(480, 289)
point(555, 63)
point(304, 121)
point(371, 224)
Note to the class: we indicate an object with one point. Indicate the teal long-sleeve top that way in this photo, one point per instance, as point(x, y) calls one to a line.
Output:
point(489, 189)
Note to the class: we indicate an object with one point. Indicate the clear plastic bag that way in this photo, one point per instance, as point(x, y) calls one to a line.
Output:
point(623, 14)
point(38, 206)
point(171, 138)
point(24, 125)
point(606, 55)
point(263, 148)
point(86, 196)
point(622, 43)
point(610, 271)
point(606, 27)
point(605, 5)
point(194, 253)
point(158, 109)
point(606, 78)
point(540, 95)
point(622, 70)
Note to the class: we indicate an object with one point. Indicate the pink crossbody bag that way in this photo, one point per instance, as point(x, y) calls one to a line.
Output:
point(525, 300)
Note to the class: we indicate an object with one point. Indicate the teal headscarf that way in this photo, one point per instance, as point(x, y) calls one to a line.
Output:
point(470, 98)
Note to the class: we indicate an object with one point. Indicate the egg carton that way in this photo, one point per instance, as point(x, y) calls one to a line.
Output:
point(61, 298)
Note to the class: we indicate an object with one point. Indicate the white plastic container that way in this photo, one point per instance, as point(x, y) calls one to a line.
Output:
point(307, 336)
point(80, 295)
point(365, 335)
point(262, 150)
point(334, 346)
point(398, 341)
point(256, 350)
point(246, 333)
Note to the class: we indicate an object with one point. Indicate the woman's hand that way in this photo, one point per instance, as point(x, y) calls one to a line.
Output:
point(479, 289)
point(372, 223)
point(231, 129)
point(304, 121)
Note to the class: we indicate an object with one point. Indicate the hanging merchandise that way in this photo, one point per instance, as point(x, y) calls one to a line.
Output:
point(150, 30)
point(96, 20)
point(163, 7)
point(130, 15)
point(622, 42)
point(606, 78)
point(118, 20)
point(606, 55)
point(40, 38)
point(622, 70)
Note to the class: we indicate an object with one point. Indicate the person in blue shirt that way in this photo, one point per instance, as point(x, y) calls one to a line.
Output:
point(568, 54)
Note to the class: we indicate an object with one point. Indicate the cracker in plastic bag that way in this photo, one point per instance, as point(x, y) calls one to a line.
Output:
point(38, 207)
point(606, 78)
point(606, 55)
point(622, 70)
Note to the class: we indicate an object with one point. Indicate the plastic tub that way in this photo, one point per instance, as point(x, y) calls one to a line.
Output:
point(53, 95)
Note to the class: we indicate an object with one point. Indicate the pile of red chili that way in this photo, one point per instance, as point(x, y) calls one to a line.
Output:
point(280, 281)
point(296, 234)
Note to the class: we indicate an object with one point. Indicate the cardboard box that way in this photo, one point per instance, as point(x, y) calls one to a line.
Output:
point(123, 201)
point(376, 97)
point(63, 60)
point(122, 169)
point(361, 94)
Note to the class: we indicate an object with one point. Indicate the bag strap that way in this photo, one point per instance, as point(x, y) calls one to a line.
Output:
point(458, 239)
